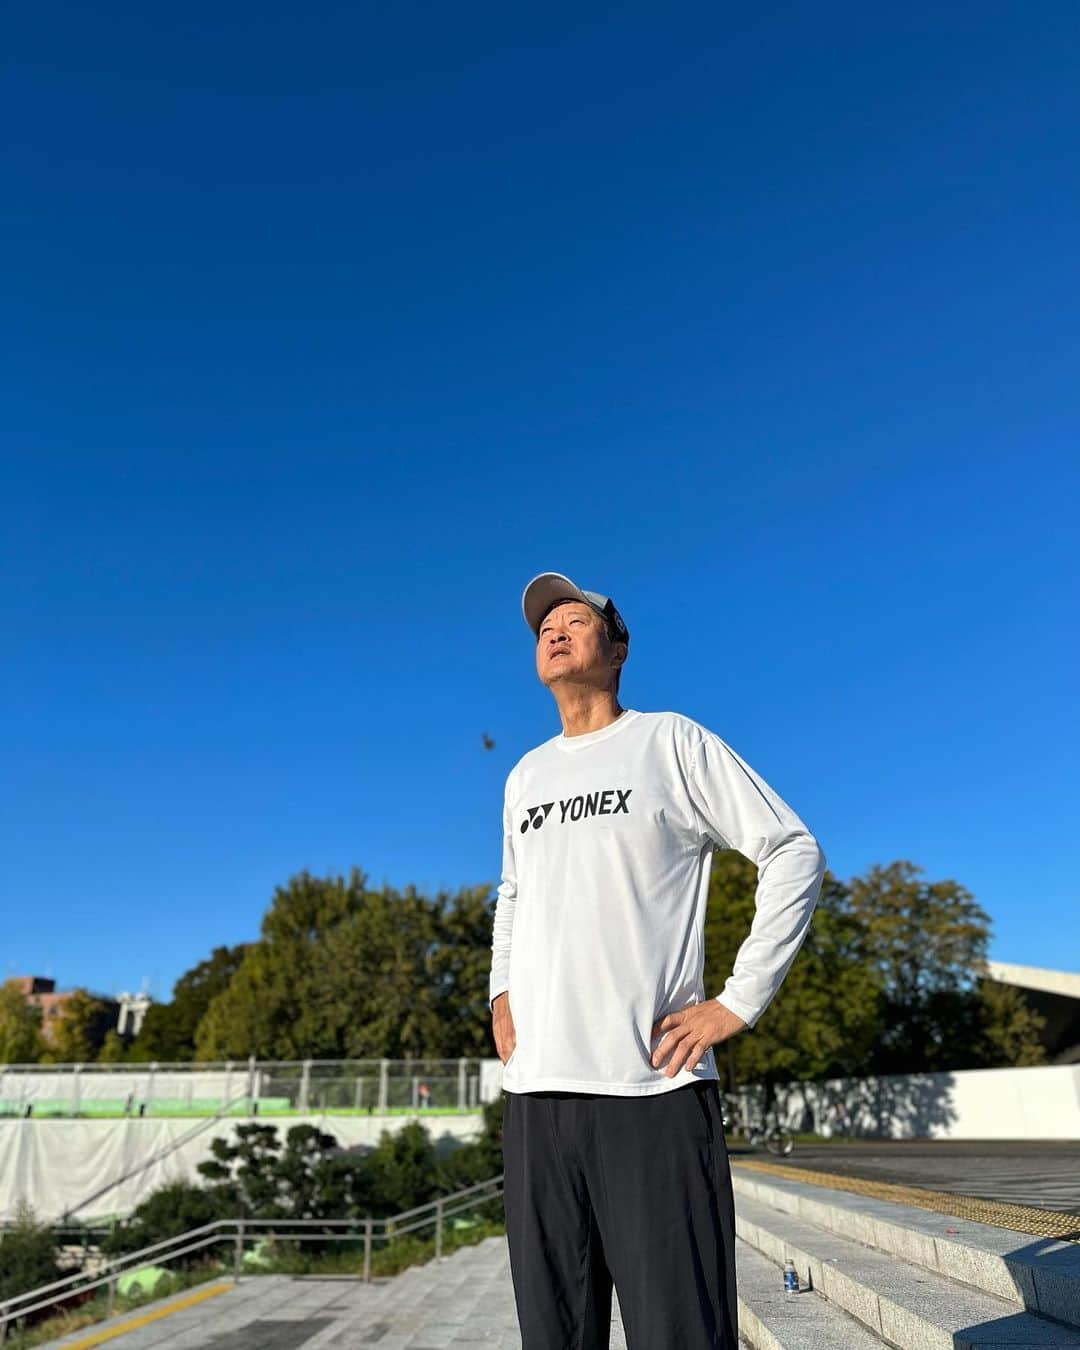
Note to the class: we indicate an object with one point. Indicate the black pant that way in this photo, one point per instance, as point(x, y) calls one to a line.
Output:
point(636, 1190)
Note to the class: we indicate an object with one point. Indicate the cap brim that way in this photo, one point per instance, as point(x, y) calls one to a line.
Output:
point(542, 592)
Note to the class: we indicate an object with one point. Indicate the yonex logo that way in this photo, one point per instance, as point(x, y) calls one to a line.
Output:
point(610, 802)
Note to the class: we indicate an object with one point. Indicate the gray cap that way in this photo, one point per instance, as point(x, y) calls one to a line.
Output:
point(543, 591)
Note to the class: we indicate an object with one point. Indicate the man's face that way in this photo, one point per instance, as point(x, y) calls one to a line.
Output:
point(574, 646)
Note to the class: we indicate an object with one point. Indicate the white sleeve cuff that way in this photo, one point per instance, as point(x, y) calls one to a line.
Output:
point(739, 1008)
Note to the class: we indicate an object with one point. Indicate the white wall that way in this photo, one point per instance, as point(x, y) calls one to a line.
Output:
point(1036, 1103)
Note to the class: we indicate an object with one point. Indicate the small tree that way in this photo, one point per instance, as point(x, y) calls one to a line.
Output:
point(927, 942)
point(20, 1026)
point(172, 1209)
point(244, 1173)
point(80, 1030)
point(113, 1050)
point(168, 1030)
point(825, 1017)
point(28, 1254)
point(1011, 1031)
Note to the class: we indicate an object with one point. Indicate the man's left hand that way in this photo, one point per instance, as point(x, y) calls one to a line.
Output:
point(686, 1035)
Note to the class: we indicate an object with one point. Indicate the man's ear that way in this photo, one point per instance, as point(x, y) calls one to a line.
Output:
point(620, 654)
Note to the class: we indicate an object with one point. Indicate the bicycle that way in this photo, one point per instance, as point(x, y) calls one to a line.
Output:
point(777, 1139)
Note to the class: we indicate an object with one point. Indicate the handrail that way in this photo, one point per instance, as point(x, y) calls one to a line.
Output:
point(195, 1239)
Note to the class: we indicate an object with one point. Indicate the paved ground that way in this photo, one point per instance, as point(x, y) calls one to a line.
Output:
point(466, 1300)
point(1044, 1174)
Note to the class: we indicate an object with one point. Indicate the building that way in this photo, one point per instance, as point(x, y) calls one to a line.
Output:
point(133, 1010)
point(43, 993)
point(1056, 995)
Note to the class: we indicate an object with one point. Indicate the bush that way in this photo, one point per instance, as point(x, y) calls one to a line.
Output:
point(255, 1174)
point(165, 1213)
point(28, 1254)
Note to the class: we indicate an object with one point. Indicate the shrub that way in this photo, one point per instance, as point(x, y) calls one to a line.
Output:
point(165, 1213)
point(28, 1254)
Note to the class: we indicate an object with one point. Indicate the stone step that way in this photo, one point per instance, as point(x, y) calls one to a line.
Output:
point(1041, 1275)
point(907, 1305)
point(770, 1319)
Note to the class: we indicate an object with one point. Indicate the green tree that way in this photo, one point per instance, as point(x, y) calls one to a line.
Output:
point(459, 969)
point(825, 1018)
point(310, 1177)
point(243, 1170)
point(399, 1173)
point(168, 1030)
point(479, 1158)
point(113, 1050)
point(315, 1178)
point(172, 1209)
point(20, 1026)
point(79, 1031)
point(28, 1254)
point(273, 1007)
point(927, 943)
point(1011, 1030)
point(345, 971)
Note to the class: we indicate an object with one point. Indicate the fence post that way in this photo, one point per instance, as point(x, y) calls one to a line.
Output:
point(462, 1088)
point(251, 1084)
point(112, 1293)
point(305, 1084)
point(76, 1090)
point(384, 1070)
point(367, 1249)
point(438, 1228)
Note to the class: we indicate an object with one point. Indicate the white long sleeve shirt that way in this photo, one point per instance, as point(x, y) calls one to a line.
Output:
point(598, 930)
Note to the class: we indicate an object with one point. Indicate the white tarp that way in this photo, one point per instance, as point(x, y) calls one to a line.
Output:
point(17, 1089)
point(55, 1164)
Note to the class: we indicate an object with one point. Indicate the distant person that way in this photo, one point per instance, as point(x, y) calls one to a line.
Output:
point(616, 1165)
point(424, 1093)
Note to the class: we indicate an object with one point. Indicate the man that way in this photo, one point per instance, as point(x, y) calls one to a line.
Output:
point(616, 1166)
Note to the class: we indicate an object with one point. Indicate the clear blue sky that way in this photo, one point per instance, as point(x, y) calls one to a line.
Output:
point(327, 328)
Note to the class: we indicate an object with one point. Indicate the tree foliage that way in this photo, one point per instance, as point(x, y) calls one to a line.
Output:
point(168, 1030)
point(927, 942)
point(20, 1026)
point(887, 981)
point(28, 1254)
point(172, 1209)
point(824, 1019)
point(343, 970)
point(253, 1173)
point(79, 1031)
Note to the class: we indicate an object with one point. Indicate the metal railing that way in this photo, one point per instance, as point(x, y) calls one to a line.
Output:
point(367, 1230)
point(376, 1086)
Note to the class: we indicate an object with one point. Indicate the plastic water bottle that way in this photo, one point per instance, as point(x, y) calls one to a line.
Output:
point(791, 1278)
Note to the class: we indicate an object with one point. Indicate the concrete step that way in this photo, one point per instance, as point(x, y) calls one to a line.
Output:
point(464, 1299)
point(1040, 1275)
point(467, 1299)
point(907, 1305)
point(770, 1319)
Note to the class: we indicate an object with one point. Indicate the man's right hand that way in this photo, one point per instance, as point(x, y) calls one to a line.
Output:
point(502, 1026)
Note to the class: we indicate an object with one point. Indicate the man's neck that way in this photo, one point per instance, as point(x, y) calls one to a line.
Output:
point(583, 709)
